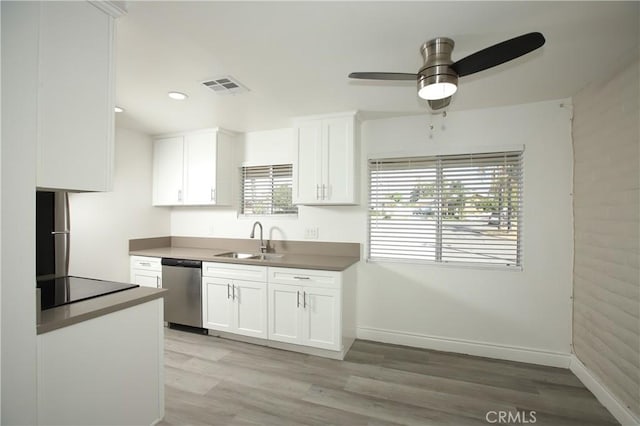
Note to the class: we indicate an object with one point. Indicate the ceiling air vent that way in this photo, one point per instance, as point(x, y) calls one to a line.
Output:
point(225, 85)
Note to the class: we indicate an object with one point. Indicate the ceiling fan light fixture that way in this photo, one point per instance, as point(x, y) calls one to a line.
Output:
point(437, 87)
point(438, 77)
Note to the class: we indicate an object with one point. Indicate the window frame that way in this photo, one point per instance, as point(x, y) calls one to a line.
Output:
point(437, 260)
point(270, 167)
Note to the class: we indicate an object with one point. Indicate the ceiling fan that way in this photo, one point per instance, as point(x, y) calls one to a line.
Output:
point(438, 78)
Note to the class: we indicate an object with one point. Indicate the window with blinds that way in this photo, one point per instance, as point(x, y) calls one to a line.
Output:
point(449, 209)
point(266, 190)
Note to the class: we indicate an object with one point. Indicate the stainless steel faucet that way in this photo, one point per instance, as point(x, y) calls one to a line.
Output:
point(263, 247)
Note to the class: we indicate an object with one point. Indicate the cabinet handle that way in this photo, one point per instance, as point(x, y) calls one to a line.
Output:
point(228, 293)
point(213, 194)
point(304, 299)
point(298, 299)
point(301, 278)
point(179, 194)
point(318, 192)
point(233, 287)
point(323, 192)
point(145, 264)
point(157, 281)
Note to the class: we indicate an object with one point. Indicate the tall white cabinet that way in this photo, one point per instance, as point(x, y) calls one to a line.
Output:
point(326, 167)
point(76, 96)
point(193, 168)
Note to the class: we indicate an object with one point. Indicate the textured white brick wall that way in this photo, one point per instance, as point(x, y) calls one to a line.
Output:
point(606, 312)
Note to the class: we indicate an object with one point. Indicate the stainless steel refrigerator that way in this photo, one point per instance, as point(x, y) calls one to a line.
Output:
point(52, 234)
point(56, 287)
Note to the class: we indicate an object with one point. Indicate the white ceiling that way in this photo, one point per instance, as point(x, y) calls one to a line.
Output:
point(295, 56)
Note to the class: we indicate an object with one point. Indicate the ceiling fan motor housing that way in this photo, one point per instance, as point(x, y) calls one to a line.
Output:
point(437, 63)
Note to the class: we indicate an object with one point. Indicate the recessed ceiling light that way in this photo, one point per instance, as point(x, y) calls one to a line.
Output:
point(177, 96)
point(118, 109)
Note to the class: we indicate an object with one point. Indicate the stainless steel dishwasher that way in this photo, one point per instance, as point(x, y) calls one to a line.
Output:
point(183, 303)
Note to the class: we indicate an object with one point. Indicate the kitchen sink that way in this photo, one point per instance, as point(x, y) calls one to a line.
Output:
point(253, 256)
point(236, 255)
point(268, 256)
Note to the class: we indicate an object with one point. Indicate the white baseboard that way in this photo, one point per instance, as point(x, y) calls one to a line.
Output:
point(470, 347)
point(600, 391)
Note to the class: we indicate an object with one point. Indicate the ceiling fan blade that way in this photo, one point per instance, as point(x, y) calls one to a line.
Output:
point(498, 54)
point(383, 76)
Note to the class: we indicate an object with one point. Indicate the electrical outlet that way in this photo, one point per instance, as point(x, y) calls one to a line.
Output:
point(311, 233)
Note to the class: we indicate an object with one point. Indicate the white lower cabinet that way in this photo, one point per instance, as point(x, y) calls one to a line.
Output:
point(108, 370)
point(300, 307)
point(308, 313)
point(234, 299)
point(146, 271)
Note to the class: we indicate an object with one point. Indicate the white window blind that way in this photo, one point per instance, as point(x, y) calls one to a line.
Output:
point(453, 209)
point(266, 190)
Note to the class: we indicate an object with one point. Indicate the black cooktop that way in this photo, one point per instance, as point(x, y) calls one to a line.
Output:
point(62, 291)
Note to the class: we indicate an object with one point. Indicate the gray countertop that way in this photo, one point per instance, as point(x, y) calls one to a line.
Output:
point(73, 313)
point(288, 260)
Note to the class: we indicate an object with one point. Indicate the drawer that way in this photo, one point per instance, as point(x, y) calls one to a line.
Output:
point(148, 263)
point(234, 271)
point(146, 278)
point(312, 277)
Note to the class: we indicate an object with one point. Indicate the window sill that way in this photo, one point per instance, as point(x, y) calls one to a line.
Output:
point(449, 265)
point(267, 216)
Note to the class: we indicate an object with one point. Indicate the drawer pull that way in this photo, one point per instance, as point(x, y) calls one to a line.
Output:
point(228, 293)
point(301, 278)
point(304, 299)
point(298, 299)
point(145, 264)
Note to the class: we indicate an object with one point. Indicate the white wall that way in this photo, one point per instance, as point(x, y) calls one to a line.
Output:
point(438, 306)
point(483, 311)
point(19, 114)
point(606, 313)
point(103, 223)
point(0, 255)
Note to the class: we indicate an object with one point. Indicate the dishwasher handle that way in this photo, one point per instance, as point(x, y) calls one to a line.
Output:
point(181, 263)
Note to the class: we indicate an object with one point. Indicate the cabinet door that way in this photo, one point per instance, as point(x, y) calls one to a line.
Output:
point(225, 169)
point(200, 168)
point(250, 310)
point(146, 278)
point(167, 171)
point(308, 167)
point(217, 301)
point(75, 97)
point(322, 318)
point(285, 313)
point(338, 161)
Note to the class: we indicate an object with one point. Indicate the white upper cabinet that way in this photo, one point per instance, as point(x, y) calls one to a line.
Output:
point(168, 171)
point(193, 168)
point(75, 96)
point(326, 167)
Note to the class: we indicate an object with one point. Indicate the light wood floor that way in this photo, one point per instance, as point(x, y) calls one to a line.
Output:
point(212, 381)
